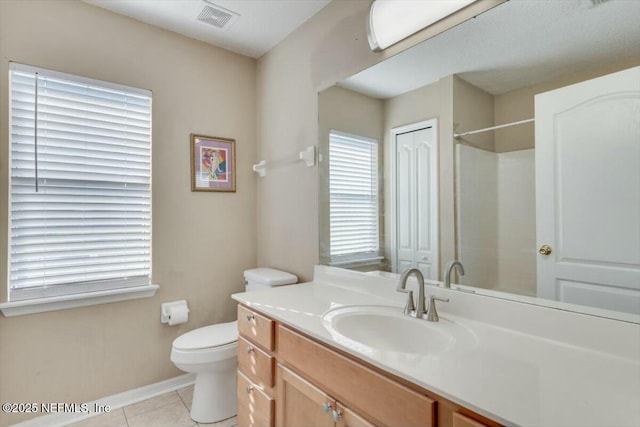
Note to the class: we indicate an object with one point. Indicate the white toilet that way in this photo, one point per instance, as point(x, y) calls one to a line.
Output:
point(211, 353)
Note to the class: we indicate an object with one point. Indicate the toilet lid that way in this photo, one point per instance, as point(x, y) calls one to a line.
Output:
point(208, 336)
point(270, 276)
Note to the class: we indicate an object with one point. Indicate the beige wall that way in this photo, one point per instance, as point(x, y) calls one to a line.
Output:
point(201, 241)
point(348, 111)
point(351, 112)
point(473, 109)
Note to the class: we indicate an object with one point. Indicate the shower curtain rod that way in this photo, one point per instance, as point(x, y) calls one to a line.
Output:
point(458, 135)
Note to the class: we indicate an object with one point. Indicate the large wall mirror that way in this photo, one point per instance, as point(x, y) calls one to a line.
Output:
point(405, 181)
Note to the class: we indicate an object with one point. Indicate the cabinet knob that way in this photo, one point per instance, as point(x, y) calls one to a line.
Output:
point(544, 250)
point(250, 317)
point(249, 389)
point(337, 415)
point(250, 350)
point(326, 407)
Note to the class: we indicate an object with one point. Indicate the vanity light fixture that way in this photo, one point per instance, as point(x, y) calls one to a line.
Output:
point(391, 21)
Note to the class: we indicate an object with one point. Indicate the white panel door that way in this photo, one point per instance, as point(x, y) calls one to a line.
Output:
point(588, 192)
point(416, 213)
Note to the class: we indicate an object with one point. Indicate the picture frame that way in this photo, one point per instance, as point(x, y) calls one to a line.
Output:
point(213, 163)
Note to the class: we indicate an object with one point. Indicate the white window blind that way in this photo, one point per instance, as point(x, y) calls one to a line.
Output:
point(80, 191)
point(353, 198)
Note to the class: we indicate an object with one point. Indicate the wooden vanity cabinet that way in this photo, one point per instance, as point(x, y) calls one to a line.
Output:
point(287, 379)
point(374, 396)
point(256, 369)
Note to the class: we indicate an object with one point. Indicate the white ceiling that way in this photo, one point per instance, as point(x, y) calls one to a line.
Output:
point(517, 44)
point(262, 23)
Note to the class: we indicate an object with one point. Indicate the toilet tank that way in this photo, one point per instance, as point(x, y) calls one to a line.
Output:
point(263, 278)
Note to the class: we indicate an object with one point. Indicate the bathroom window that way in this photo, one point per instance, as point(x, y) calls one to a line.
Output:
point(80, 185)
point(353, 199)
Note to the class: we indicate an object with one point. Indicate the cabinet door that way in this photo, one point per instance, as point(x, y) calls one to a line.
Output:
point(348, 418)
point(302, 404)
point(255, 407)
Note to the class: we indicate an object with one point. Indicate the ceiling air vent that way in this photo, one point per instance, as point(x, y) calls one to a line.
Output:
point(217, 16)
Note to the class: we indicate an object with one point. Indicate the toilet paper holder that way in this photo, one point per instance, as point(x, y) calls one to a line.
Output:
point(168, 307)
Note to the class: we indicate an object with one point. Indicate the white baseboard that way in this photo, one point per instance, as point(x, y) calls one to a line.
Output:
point(115, 401)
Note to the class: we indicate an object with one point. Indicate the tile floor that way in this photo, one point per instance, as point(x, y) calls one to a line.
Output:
point(167, 410)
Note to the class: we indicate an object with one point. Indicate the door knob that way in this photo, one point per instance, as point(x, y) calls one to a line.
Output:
point(544, 250)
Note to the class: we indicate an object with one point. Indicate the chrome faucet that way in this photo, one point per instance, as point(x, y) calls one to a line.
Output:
point(447, 276)
point(410, 308)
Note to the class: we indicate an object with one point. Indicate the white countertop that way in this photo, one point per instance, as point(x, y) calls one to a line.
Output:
point(528, 366)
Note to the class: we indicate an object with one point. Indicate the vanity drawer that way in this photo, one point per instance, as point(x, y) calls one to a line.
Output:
point(256, 327)
point(255, 408)
point(386, 402)
point(460, 420)
point(255, 363)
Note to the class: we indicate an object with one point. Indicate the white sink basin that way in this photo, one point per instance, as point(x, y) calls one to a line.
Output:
point(388, 329)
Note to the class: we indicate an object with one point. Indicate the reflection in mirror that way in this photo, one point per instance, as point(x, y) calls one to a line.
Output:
point(568, 183)
point(349, 159)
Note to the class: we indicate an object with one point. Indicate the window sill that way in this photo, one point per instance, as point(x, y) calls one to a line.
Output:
point(41, 305)
point(357, 262)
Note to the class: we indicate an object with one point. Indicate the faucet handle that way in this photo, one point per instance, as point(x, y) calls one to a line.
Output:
point(432, 313)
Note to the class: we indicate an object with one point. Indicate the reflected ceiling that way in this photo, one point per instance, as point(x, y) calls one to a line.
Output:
point(538, 39)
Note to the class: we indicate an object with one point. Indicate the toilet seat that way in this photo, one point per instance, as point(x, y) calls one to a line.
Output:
point(205, 356)
point(206, 345)
point(208, 337)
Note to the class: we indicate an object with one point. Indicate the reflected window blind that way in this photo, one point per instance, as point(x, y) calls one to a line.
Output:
point(353, 197)
point(80, 191)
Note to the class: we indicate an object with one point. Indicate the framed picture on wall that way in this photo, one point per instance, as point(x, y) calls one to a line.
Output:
point(213, 163)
